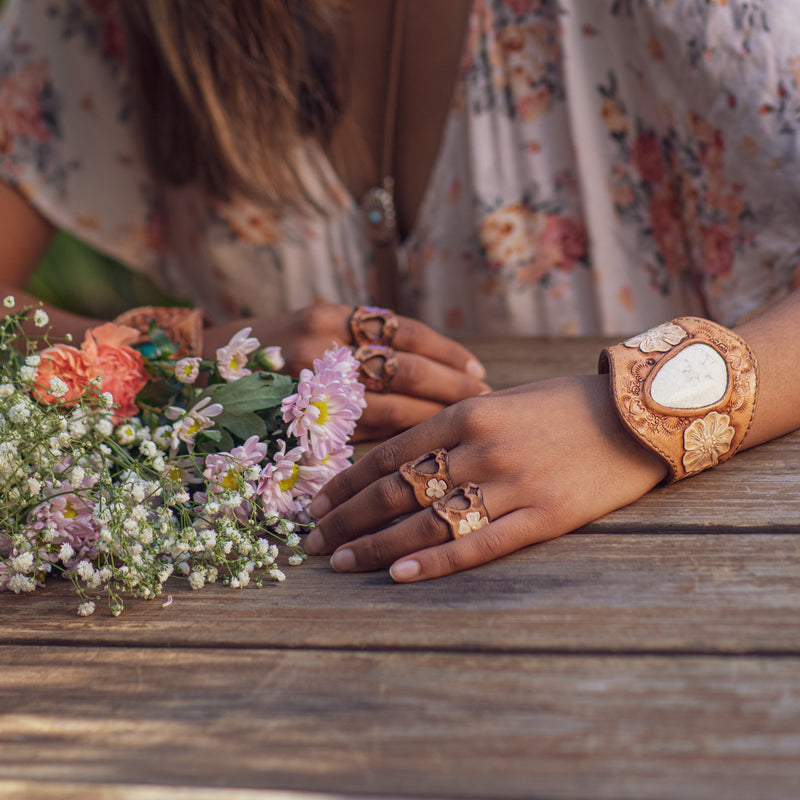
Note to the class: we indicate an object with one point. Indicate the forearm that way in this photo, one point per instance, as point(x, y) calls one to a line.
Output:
point(773, 337)
point(61, 322)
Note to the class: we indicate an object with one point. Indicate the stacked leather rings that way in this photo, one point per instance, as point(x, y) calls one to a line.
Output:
point(373, 330)
point(461, 507)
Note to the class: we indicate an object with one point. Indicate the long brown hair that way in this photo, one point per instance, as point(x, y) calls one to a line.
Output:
point(225, 89)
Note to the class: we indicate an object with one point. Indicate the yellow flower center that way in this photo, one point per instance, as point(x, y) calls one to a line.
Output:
point(234, 362)
point(230, 481)
point(323, 411)
point(194, 428)
point(174, 475)
point(288, 483)
point(69, 512)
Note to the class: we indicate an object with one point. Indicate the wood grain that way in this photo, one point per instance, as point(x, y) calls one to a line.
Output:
point(415, 724)
point(653, 654)
point(514, 361)
point(603, 592)
point(80, 790)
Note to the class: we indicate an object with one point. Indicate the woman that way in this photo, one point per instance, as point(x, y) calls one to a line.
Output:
point(200, 187)
point(598, 167)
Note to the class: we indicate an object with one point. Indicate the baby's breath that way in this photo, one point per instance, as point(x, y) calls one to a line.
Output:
point(121, 505)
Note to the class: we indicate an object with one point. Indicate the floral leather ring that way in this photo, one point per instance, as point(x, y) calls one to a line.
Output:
point(371, 325)
point(687, 390)
point(428, 486)
point(377, 367)
point(463, 509)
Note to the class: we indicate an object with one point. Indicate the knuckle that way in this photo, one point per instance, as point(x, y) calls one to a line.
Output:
point(470, 417)
point(334, 532)
point(491, 543)
point(387, 458)
point(450, 560)
point(411, 370)
point(413, 332)
point(341, 487)
point(375, 551)
point(389, 494)
point(319, 319)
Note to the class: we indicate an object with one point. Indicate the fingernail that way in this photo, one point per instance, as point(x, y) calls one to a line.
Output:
point(476, 369)
point(405, 570)
point(343, 560)
point(320, 506)
point(486, 389)
point(314, 543)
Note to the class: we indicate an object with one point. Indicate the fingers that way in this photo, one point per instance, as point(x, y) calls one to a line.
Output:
point(324, 323)
point(386, 414)
point(506, 535)
point(384, 459)
point(414, 336)
point(379, 503)
point(421, 377)
point(419, 532)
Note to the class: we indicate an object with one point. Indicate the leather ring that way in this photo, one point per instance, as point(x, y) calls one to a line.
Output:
point(428, 486)
point(377, 367)
point(371, 325)
point(463, 520)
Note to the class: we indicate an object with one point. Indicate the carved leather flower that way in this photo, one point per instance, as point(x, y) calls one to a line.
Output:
point(660, 339)
point(705, 440)
point(436, 488)
point(473, 521)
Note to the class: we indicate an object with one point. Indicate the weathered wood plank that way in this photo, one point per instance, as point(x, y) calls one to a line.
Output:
point(511, 361)
point(725, 593)
point(757, 490)
point(450, 725)
point(76, 790)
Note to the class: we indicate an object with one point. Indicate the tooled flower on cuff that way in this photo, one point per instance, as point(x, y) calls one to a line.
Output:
point(705, 440)
point(659, 339)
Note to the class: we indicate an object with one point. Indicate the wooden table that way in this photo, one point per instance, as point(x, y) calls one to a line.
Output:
point(653, 654)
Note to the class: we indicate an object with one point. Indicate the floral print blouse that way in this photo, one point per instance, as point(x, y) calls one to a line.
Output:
point(606, 165)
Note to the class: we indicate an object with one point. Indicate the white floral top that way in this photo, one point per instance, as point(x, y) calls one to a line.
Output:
point(606, 165)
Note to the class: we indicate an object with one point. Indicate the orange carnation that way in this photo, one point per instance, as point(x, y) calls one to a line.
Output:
point(106, 354)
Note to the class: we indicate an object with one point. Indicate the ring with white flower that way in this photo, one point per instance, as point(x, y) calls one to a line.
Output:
point(463, 509)
point(428, 476)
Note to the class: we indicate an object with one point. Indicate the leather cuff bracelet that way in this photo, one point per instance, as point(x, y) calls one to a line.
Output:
point(183, 326)
point(685, 389)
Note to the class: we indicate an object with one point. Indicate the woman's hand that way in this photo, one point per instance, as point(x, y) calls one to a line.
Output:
point(432, 370)
point(549, 457)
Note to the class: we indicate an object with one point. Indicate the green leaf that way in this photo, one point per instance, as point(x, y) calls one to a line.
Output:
point(255, 392)
point(249, 406)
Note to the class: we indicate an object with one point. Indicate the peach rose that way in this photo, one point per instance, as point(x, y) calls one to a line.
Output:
point(70, 365)
point(105, 354)
point(121, 368)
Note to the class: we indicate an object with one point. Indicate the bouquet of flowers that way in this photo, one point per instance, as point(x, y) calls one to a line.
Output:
point(121, 466)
